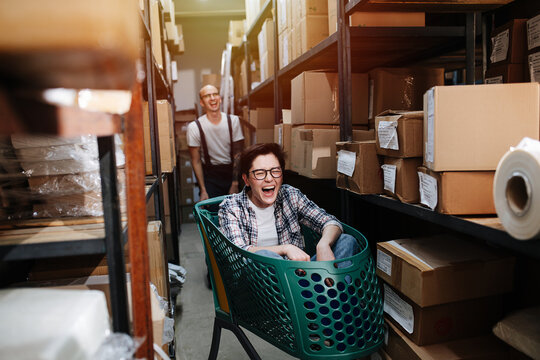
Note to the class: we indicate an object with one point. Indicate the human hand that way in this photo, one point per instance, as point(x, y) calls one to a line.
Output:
point(325, 253)
point(295, 253)
point(204, 196)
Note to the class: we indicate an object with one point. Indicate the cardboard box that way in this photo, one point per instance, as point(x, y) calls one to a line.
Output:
point(266, 60)
point(486, 347)
point(400, 88)
point(284, 10)
point(313, 30)
point(156, 255)
point(286, 116)
point(441, 269)
point(155, 32)
point(387, 19)
point(313, 149)
point(533, 33)
point(265, 38)
point(532, 72)
point(282, 136)
point(211, 79)
point(263, 136)
point(367, 175)
point(457, 192)
point(311, 7)
point(399, 133)
point(236, 32)
point(400, 178)
point(262, 118)
point(438, 323)
point(505, 74)
point(470, 127)
point(315, 100)
point(521, 329)
point(285, 48)
point(332, 16)
point(509, 42)
point(296, 39)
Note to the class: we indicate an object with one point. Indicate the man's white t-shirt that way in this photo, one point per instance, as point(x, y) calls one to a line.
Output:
point(217, 138)
point(266, 225)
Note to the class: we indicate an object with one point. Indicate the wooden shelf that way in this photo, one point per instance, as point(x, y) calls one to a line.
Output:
point(22, 113)
point(488, 229)
point(266, 12)
point(45, 238)
point(374, 47)
point(424, 5)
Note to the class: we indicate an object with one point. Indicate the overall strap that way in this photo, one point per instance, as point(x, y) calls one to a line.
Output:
point(230, 136)
point(203, 143)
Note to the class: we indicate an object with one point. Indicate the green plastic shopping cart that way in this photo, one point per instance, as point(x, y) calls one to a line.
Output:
point(311, 310)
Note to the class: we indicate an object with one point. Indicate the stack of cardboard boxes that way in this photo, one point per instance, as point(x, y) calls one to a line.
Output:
point(309, 19)
point(167, 147)
point(315, 121)
point(265, 40)
point(376, 19)
point(188, 192)
point(533, 49)
point(399, 142)
point(237, 29)
point(467, 129)
point(508, 55)
point(439, 289)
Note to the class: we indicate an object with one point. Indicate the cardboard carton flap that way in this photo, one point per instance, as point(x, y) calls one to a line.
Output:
point(406, 114)
point(440, 251)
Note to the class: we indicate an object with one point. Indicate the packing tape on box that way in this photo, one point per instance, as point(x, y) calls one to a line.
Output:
point(516, 190)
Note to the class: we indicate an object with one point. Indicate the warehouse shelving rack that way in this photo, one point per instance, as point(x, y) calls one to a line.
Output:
point(89, 236)
point(356, 49)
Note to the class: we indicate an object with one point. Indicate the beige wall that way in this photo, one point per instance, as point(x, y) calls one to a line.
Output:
point(204, 40)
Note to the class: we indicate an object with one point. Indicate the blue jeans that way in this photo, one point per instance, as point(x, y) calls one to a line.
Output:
point(345, 246)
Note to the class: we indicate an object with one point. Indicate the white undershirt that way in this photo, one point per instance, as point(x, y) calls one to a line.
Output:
point(266, 225)
point(217, 138)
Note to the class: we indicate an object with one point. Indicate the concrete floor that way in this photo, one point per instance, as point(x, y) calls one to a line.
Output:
point(195, 311)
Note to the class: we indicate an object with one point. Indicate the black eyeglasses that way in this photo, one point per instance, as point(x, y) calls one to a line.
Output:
point(207, 96)
point(260, 174)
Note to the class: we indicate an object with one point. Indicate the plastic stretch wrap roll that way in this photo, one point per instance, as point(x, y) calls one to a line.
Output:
point(516, 190)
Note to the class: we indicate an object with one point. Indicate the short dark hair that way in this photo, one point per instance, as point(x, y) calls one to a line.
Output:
point(249, 154)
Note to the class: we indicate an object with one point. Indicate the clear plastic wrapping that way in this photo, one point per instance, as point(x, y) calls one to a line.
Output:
point(47, 176)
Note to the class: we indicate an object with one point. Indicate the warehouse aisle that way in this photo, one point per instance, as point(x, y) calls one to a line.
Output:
point(195, 311)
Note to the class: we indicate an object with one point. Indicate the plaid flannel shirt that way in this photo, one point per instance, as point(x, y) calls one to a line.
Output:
point(239, 223)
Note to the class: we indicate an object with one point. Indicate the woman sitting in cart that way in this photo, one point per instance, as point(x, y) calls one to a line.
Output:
point(265, 216)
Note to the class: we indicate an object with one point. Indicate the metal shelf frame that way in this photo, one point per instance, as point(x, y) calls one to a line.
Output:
point(352, 49)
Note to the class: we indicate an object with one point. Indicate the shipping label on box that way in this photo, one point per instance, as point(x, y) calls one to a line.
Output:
point(470, 127)
point(533, 32)
point(438, 323)
point(442, 269)
point(401, 179)
point(508, 43)
point(457, 192)
point(358, 167)
point(399, 133)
